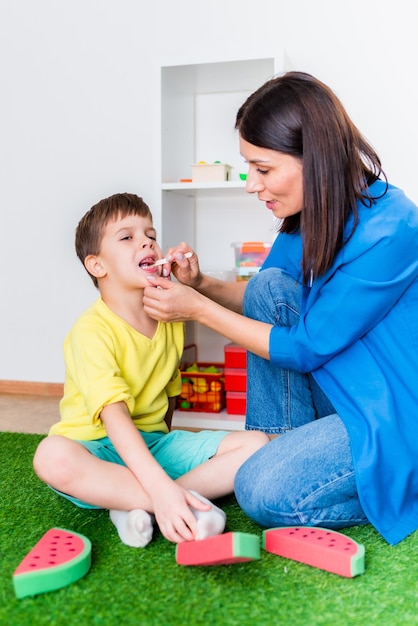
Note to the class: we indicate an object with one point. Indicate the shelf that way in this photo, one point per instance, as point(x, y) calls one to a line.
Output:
point(227, 185)
point(198, 107)
point(207, 421)
point(197, 104)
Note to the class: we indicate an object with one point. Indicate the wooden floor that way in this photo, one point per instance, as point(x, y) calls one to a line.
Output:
point(28, 414)
point(24, 413)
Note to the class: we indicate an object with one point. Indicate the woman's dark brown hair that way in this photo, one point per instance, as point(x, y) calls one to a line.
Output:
point(297, 114)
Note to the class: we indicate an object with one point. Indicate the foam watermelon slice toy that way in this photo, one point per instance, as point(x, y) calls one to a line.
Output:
point(319, 547)
point(58, 559)
point(224, 549)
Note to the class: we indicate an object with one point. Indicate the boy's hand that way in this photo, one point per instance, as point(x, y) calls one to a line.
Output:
point(175, 520)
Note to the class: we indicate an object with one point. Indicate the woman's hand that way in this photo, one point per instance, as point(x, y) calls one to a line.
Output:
point(185, 269)
point(171, 302)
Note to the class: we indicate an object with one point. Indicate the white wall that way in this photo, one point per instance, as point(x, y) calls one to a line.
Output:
point(78, 112)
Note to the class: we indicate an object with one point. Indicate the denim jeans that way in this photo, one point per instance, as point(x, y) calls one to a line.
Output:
point(306, 475)
point(278, 399)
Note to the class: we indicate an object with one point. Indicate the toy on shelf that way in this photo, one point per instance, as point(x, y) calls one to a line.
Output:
point(202, 387)
point(216, 172)
point(325, 549)
point(225, 549)
point(58, 559)
point(249, 257)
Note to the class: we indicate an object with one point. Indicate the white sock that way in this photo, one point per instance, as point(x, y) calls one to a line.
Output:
point(134, 527)
point(209, 523)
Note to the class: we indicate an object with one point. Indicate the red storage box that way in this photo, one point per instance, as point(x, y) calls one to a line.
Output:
point(235, 379)
point(235, 356)
point(236, 402)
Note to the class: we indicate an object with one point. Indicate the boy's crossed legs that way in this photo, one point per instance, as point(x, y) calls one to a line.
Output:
point(206, 462)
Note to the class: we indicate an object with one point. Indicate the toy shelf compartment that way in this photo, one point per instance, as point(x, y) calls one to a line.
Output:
point(203, 386)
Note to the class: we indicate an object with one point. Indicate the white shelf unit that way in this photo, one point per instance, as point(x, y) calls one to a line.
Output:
point(198, 106)
point(190, 188)
point(190, 420)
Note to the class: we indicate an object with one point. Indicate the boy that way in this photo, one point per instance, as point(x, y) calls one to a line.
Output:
point(112, 448)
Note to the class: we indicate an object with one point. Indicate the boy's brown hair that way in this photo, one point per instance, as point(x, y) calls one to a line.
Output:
point(89, 232)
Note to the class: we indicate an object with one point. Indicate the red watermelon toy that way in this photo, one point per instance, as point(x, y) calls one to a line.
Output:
point(223, 549)
point(319, 547)
point(58, 559)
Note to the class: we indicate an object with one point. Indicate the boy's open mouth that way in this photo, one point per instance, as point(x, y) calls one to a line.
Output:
point(147, 262)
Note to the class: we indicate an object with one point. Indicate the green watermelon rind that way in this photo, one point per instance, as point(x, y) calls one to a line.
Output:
point(55, 577)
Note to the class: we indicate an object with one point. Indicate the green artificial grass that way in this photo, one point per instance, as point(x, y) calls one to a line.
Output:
point(146, 587)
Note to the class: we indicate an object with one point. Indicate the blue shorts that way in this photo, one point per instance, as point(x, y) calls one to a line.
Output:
point(177, 452)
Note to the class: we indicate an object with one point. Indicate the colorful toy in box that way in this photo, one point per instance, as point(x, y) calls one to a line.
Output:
point(202, 388)
point(249, 257)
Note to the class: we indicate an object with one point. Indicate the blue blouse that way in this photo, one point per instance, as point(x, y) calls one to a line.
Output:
point(358, 335)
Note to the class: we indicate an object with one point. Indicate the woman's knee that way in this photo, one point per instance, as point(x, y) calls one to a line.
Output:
point(255, 294)
point(266, 489)
point(257, 483)
point(274, 296)
point(304, 476)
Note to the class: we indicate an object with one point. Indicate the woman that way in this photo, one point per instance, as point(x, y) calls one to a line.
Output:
point(330, 323)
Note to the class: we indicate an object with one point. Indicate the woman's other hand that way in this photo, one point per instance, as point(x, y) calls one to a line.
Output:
point(171, 301)
point(185, 268)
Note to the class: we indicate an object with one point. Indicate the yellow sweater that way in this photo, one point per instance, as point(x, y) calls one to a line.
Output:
point(108, 361)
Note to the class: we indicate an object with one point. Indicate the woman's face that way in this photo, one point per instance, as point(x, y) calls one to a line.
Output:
point(276, 177)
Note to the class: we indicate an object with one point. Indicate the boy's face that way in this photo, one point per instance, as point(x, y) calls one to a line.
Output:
point(129, 247)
